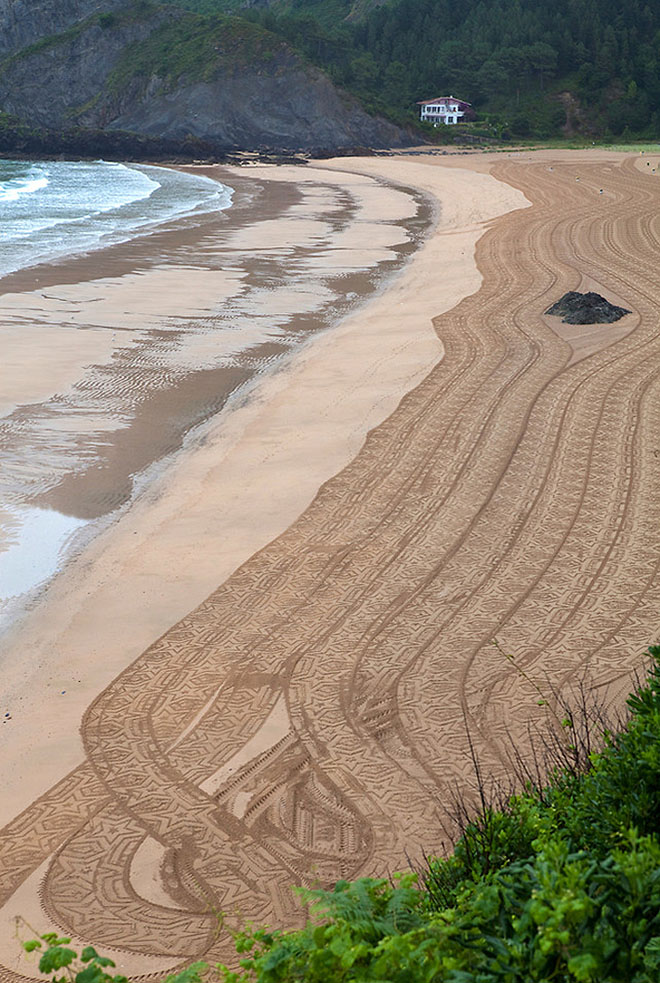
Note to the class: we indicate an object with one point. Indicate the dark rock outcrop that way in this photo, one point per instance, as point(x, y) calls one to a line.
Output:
point(297, 109)
point(22, 22)
point(587, 308)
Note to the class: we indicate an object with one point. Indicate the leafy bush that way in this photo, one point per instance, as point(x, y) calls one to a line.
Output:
point(89, 966)
point(107, 20)
point(561, 883)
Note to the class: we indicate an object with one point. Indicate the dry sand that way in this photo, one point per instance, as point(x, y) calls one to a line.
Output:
point(308, 718)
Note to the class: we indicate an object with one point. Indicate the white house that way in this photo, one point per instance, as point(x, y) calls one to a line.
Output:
point(443, 109)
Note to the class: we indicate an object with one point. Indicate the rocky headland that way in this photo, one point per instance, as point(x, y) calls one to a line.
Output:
point(147, 75)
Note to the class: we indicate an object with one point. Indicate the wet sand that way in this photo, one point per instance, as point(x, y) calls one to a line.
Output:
point(307, 717)
point(112, 358)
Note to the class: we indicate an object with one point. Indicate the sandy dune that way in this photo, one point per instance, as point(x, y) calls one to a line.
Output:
point(308, 719)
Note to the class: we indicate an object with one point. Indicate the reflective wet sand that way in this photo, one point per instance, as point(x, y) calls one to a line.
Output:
point(112, 358)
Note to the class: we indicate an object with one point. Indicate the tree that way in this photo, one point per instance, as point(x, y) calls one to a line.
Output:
point(542, 59)
point(513, 62)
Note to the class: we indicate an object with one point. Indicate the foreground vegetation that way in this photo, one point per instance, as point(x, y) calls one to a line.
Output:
point(560, 882)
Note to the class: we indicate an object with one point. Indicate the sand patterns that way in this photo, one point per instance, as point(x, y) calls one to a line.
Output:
point(307, 722)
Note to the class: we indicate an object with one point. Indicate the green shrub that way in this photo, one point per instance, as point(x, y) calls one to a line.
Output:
point(562, 883)
point(621, 790)
point(89, 966)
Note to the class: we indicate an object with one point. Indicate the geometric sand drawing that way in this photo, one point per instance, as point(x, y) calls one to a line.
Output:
point(308, 721)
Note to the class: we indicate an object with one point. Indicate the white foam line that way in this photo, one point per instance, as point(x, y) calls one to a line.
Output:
point(12, 194)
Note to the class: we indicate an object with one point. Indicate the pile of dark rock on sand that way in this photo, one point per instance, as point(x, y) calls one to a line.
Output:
point(589, 308)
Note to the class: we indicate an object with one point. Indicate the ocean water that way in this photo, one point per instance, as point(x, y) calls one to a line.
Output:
point(55, 208)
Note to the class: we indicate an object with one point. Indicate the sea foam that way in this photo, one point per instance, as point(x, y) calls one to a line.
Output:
point(51, 209)
point(12, 192)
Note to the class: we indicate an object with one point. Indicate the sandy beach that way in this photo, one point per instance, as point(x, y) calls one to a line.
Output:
point(261, 672)
point(213, 490)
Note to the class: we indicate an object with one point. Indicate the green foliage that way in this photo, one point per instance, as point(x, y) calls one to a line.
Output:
point(509, 58)
point(562, 883)
point(514, 60)
point(197, 48)
point(560, 915)
point(192, 974)
point(90, 967)
point(348, 924)
point(326, 12)
point(107, 20)
point(622, 788)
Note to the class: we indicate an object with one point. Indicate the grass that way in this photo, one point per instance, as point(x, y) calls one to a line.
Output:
point(649, 148)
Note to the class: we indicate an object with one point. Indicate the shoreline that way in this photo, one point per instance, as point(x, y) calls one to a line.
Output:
point(308, 720)
point(71, 635)
point(238, 484)
point(97, 290)
point(62, 227)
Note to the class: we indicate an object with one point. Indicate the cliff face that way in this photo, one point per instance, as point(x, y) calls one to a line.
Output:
point(49, 84)
point(162, 72)
point(22, 22)
point(295, 110)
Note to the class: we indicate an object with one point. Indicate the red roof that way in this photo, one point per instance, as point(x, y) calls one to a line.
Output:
point(425, 102)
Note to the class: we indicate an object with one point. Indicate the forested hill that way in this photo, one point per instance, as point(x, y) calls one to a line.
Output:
point(591, 64)
point(191, 71)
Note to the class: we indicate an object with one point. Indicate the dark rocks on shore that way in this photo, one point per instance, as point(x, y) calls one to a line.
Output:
point(588, 308)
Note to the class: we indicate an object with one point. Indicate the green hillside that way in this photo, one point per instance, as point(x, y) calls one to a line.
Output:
point(163, 80)
point(196, 48)
point(592, 66)
point(326, 11)
point(589, 68)
point(212, 6)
